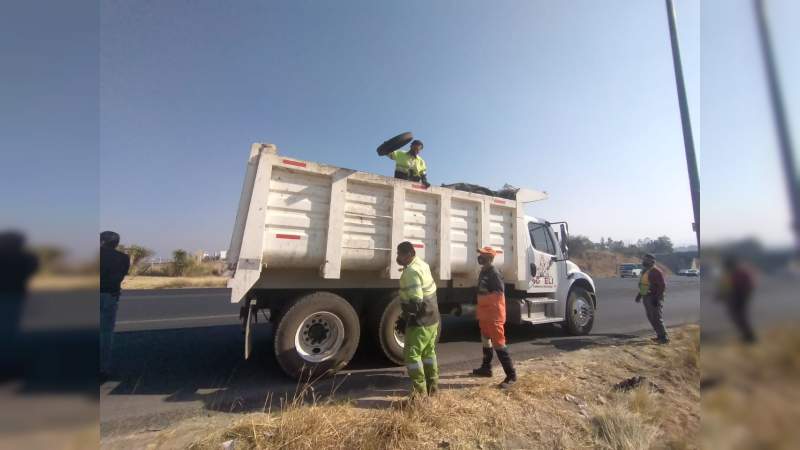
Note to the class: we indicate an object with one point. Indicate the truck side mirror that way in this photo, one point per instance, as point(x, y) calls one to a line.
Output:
point(564, 238)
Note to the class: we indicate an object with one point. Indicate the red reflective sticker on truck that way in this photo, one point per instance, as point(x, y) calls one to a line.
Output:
point(419, 186)
point(500, 202)
point(419, 246)
point(294, 163)
point(287, 236)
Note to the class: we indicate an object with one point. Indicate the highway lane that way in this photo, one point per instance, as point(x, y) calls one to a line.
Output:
point(178, 352)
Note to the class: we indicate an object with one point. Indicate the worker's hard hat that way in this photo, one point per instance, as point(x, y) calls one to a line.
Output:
point(487, 251)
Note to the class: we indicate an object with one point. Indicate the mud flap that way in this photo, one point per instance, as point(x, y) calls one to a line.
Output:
point(248, 329)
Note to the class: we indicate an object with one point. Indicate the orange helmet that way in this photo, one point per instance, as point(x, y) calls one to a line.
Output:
point(488, 251)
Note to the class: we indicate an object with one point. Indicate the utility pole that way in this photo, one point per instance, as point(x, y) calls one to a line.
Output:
point(779, 113)
point(688, 140)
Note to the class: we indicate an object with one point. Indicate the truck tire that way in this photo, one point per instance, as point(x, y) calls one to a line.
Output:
point(580, 312)
point(394, 143)
point(389, 330)
point(317, 335)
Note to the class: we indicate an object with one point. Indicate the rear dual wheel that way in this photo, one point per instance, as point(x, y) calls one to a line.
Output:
point(317, 335)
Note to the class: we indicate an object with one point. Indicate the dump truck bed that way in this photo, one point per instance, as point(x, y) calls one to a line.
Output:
point(326, 221)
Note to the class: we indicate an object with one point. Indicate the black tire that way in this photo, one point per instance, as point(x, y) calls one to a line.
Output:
point(317, 313)
point(386, 320)
point(395, 143)
point(579, 301)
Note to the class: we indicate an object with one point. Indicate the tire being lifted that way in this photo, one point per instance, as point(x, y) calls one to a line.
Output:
point(317, 334)
point(395, 143)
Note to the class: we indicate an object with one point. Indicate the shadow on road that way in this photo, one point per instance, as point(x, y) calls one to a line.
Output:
point(205, 365)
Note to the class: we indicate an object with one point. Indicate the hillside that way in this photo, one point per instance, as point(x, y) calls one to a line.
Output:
point(604, 263)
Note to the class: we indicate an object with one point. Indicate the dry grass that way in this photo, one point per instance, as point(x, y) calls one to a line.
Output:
point(51, 282)
point(561, 402)
point(753, 398)
point(146, 282)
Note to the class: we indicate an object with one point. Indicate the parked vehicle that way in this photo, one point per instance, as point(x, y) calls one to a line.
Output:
point(313, 247)
point(630, 270)
point(689, 272)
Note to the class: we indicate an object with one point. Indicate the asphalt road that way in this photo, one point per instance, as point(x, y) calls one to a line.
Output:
point(178, 352)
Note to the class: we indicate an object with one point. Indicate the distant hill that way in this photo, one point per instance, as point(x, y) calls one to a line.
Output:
point(604, 263)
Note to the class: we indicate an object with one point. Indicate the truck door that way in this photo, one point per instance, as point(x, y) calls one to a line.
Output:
point(541, 261)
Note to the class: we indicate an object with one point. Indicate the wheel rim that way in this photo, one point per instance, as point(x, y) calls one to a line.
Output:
point(581, 312)
point(319, 337)
point(399, 332)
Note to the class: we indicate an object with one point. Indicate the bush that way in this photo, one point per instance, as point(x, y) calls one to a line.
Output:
point(180, 262)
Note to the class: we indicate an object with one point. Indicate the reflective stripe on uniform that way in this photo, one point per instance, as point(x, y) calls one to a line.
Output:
point(429, 361)
point(414, 365)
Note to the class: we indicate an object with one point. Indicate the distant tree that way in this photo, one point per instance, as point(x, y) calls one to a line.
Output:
point(662, 245)
point(51, 258)
point(180, 262)
point(578, 244)
point(137, 253)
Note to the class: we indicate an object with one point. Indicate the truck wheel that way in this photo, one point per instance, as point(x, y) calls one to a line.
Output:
point(390, 331)
point(317, 334)
point(580, 312)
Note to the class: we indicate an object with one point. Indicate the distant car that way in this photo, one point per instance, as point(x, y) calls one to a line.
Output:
point(630, 270)
point(689, 272)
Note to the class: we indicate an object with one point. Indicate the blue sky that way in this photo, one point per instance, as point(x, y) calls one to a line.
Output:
point(573, 97)
point(576, 98)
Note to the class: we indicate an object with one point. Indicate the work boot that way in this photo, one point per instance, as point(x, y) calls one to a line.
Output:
point(433, 388)
point(485, 370)
point(508, 368)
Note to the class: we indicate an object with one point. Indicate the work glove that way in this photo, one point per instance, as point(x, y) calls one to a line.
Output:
point(639, 298)
point(424, 180)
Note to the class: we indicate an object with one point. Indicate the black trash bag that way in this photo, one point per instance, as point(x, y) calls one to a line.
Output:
point(508, 191)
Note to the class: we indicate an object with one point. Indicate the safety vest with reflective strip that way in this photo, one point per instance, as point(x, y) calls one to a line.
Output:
point(418, 294)
point(407, 164)
point(644, 282)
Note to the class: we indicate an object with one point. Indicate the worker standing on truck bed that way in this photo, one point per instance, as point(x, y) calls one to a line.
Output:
point(409, 165)
point(492, 317)
point(421, 314)
point(651, 290)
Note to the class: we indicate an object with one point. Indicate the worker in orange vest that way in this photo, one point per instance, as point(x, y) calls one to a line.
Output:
point(492, 317)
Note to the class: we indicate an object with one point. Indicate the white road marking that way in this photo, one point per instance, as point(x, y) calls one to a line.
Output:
point(176, 319)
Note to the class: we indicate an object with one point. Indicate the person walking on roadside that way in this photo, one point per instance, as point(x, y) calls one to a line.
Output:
point(651, 290)
point(17, 266)
point(421, 314)
point(492, 317)
point(409, 165)
point(736, 289)
point(114, 265)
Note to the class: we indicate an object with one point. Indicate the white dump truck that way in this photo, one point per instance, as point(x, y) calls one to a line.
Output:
point(314, 249)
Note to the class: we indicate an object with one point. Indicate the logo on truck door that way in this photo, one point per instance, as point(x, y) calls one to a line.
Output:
point(541, 276)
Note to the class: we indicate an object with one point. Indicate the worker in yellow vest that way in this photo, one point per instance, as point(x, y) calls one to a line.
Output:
point(421, 314)
point(409, 165)
point(651, 291)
